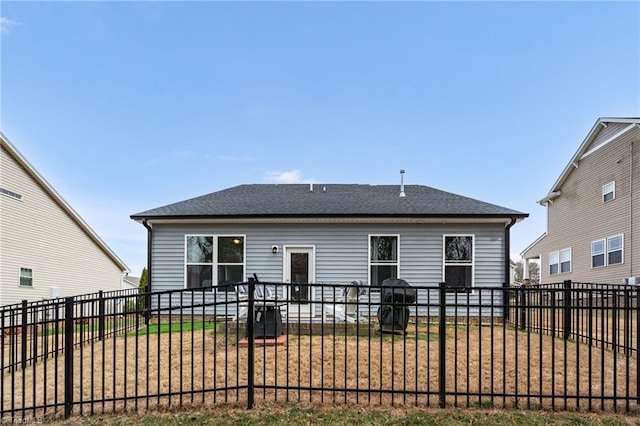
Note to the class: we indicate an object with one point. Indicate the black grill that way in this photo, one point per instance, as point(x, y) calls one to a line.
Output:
point(393, 313)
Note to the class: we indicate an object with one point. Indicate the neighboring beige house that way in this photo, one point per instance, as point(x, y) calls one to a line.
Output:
point(593, 210)
point(130, 283)
point(46, 249)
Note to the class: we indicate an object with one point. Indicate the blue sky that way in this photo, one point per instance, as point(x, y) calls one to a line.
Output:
point(127, 106)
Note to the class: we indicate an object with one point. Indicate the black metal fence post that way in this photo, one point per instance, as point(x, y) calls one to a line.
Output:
point(567, 309)
point(442, 331)
point(523, 307)
point(615, 330)
point(506, 296)
point(24, 334)
point(251, 345)
point(637, 316)
point(68, 357)
point(101, 315)
point(147, 306)
point(34, 335)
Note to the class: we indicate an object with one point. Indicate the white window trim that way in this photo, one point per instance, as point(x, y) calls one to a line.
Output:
point(473, 258)
point(214, 257)
point(604, 252)
point(613, 191)
point(608, 250)
point(369, 263)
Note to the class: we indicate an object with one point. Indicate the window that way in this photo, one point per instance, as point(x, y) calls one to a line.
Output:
point(565, 261)
point(230, 260)
point(609, 192)
point(458, 262)
point(614, 250)
point(383, 258)
point(560, 261)
point(214, 260)
point(607, 251)
point(597, 253)
point(10, 194)
point(26, 277)
point(554, 263)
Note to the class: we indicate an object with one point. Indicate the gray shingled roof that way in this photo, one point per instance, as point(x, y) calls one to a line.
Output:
point(327, 200)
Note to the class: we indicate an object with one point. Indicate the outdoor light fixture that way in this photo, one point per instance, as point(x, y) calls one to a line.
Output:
point(274, 249)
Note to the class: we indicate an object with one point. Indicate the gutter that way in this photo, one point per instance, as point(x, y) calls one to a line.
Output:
point(549, 198)
point(147, 301)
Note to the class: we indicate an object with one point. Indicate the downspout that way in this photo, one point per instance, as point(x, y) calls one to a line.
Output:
point(507, 266)
point(507, 252)
point(147, 302)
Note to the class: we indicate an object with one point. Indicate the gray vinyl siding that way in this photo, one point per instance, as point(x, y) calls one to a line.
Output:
point(341, 252)
point(36, 233)
point(578, 216)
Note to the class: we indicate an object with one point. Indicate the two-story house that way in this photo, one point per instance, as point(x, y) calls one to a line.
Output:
point(593, 210)
point(46, 249)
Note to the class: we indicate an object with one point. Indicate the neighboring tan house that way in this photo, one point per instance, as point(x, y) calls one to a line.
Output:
point(593, 210)
point(130, 283)
point(328, 234)
point(46, 249)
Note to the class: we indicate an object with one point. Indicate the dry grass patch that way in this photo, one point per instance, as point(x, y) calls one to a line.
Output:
point(149, 371)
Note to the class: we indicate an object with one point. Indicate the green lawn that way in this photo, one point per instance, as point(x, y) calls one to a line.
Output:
point(94, 326)
point(363, 416)
point(152, 329)
point(175, 328)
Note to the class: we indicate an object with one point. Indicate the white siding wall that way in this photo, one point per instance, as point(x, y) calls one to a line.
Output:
point(36, 233)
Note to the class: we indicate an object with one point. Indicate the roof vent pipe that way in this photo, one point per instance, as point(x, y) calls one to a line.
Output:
point(310, 187)
point(402, 194)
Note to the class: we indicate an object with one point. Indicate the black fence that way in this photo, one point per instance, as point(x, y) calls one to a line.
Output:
point(34, 331)
point(489, 347)
point(603, 315)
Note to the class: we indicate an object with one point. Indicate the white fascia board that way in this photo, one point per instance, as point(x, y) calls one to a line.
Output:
point(611, 139)
point(605, 120)
point(549, 198)
point(583, 147)
point(530, 246)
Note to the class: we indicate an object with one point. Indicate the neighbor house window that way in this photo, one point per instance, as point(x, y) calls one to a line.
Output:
point(607, 251)
point(383, 258)
point(609, 192)
point(565, 260)
point(458, 262)
point(560, 261)
point(26, 277)
point(597, 253)
point(614, 250)
point(554, 262)
point(214, 260)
